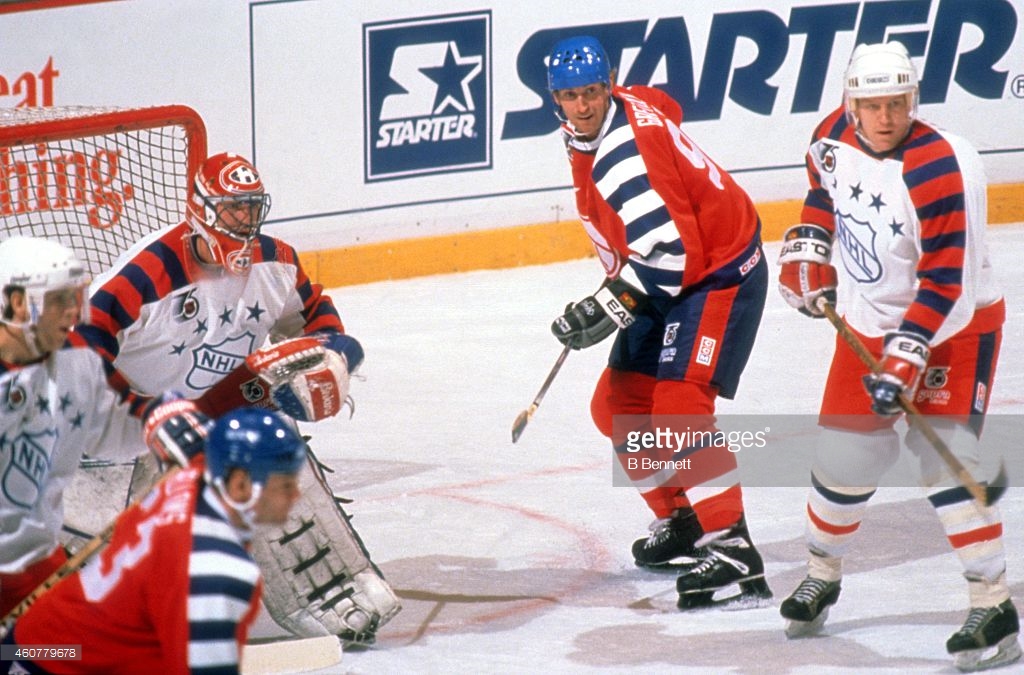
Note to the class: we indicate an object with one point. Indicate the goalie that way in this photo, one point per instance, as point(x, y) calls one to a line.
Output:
point(188, 311)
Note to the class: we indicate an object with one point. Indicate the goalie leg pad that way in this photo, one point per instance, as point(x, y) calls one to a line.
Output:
point(318, 576)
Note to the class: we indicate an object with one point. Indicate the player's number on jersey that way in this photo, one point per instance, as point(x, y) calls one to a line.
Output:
point(694, 155)
point(98, 582)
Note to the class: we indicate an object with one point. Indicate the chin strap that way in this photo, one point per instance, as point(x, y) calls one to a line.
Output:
point(577, 142)
point(245, 510)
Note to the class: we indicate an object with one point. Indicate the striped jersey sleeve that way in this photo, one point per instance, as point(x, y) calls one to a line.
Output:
point(83, 337)
point(818, 208)
point(935, 183)
point(318, 309)
point(658, 258)
point(151, 274)
point(223, 592)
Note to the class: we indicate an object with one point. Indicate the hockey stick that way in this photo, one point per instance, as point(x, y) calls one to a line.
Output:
point(524, 417)
point(72, 565)
point(986, 495)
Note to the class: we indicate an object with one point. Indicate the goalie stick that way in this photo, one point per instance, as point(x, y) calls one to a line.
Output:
point(524, 417)
point(985, 495)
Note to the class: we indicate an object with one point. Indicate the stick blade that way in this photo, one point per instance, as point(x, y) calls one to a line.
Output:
point(291, 656)
point(997, 486)
point(520, 425)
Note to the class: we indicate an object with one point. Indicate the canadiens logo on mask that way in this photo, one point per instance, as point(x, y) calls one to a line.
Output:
point(227, 208)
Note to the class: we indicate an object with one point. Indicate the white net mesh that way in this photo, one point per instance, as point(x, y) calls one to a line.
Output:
point(96, 179)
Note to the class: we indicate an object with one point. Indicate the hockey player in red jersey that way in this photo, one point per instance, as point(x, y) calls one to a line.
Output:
point(175, 590)
point(905, 205)
point(684, 290)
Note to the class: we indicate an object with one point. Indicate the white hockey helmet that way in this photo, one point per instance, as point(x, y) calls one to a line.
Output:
point(883, 69)
point(37, 266)
point(227, 206)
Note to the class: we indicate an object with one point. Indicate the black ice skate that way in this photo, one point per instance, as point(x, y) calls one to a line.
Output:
point(987, 639)
point(807, 607)
point(671, 542)
point(730, 560)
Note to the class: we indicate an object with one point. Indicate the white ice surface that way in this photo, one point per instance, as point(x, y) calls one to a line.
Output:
point(515, 558)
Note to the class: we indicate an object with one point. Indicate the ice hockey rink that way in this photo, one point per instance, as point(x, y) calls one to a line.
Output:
point(515, 558)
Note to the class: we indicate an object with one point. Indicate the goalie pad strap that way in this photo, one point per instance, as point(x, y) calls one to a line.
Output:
point(318, 577)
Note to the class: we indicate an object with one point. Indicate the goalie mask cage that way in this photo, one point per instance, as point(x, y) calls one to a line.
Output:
point(96, 179)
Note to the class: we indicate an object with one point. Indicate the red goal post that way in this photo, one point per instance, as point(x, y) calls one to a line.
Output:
point(96, 179)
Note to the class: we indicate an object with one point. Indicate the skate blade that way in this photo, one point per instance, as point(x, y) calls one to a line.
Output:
point(677, 565)
point(799, 629)
point(1004, 652)
point(752, 594)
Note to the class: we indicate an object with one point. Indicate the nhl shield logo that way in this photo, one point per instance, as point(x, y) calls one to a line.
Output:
point(26, 472)
point(857, 242)
point(210, 363)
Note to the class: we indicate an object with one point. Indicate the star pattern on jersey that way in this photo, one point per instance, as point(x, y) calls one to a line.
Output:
point(453, 77)
point(855, 192)
point(225, 316)
point(877, 203)
point(897, 228)
point(65, 403)
point(200, 327)
point(255, 312)
point(177, 349)
point(43, 404)
point(77, 420)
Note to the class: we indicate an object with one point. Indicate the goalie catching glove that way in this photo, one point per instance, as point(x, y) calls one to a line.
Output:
point(903, 360)
point(307, 380)
point(806, 274)
point(174, 428)
point(597, 316)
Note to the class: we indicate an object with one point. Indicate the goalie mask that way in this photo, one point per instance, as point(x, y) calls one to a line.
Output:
point(46, 272)
point(879, 70)
point(257, 441)
point(227, 207)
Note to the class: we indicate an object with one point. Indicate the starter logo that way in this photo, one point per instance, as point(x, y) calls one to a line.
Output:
point(427, 94)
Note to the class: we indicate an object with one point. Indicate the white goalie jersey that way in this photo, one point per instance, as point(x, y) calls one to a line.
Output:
point(171, 323)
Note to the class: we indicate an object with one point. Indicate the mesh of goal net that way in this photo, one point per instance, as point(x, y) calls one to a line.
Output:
point(96, 179)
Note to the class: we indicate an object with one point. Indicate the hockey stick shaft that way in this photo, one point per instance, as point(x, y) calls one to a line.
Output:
point(524, 417)
point(70, 566)
point(914, 416)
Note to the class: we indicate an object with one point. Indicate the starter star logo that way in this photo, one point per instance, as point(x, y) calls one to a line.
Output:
point(427, 95)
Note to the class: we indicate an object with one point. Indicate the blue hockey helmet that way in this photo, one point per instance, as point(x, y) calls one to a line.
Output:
point(577, 62)
point(256, 440)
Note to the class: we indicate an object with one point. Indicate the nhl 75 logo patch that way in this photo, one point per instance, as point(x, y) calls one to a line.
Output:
point(427, 95)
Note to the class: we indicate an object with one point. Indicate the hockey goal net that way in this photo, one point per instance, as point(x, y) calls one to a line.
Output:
point(96, 179)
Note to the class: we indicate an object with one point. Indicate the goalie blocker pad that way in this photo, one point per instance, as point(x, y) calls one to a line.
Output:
point(318, 576)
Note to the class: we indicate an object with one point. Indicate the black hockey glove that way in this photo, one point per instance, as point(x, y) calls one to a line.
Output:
point(597, 316)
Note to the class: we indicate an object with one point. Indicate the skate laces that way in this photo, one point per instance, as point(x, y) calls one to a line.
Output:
point(715, 542)
point(809, 590)
point(660, 531)
point(975, 619)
